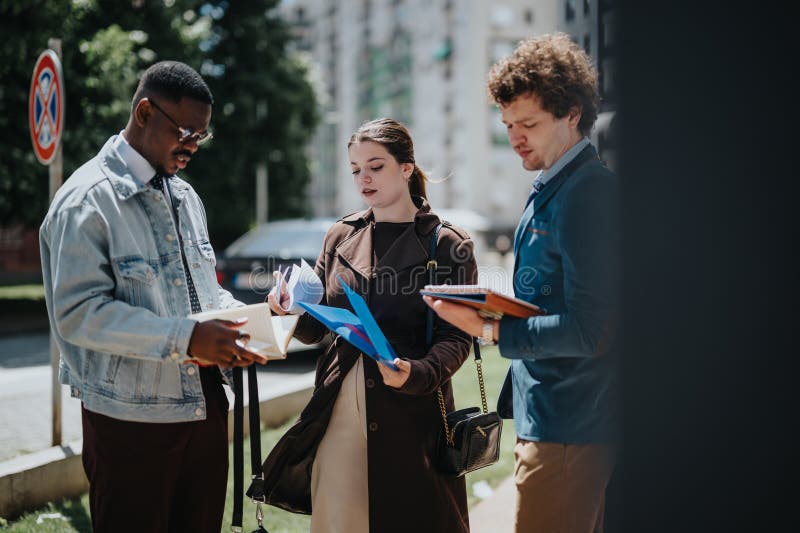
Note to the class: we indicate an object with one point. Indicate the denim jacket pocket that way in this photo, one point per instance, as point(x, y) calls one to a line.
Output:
point(136, 281)
point(207, 252)
point(142, 381)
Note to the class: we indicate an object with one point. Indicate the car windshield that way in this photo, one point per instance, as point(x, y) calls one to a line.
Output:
point(286, 239)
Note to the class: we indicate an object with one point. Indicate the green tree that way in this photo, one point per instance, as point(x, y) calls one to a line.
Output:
point(264, 114)
point(264, 109)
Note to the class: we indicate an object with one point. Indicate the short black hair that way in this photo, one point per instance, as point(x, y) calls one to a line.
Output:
point(173, 80)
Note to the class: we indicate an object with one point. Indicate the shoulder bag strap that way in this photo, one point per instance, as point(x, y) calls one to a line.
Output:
point(256, 490)
point(432, 266)
point(238, 451)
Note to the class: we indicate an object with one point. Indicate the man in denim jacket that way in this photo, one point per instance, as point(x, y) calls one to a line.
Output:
point(125, 258)
point(562, 375)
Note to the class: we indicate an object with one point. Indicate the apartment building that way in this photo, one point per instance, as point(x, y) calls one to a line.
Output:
point(424, 62)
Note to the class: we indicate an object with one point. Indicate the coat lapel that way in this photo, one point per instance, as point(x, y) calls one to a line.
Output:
point(407, 251)
point(550, 189)
point(356, 250)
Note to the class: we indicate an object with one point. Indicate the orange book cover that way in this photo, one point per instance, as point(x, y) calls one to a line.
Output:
point(489, 303)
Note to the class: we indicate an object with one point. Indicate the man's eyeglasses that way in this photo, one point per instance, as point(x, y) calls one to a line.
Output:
point(187, 135)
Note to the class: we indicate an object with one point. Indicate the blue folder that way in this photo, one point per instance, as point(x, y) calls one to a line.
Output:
point(360, 329)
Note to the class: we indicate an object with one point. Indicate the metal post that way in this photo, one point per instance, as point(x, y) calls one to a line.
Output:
point(262, 193)
point(56, 171)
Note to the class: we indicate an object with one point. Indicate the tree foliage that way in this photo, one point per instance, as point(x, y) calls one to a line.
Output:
point(263, 113)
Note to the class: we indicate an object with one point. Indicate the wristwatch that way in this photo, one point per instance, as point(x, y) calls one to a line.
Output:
point(487, 333)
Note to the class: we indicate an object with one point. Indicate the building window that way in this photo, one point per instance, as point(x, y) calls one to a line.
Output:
point(498, 132)
point(570, 10)
point(608, 30)
point(502, 16)
point(585, 7)
point(529, 16)
point(501, 49)
point(609, 66)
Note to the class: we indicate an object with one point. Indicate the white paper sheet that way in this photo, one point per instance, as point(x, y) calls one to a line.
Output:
point(303, 285)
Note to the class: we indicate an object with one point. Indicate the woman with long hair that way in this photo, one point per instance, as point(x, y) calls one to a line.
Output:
point(362, 455)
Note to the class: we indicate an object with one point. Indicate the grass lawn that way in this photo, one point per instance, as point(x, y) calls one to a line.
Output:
point(277, 521)
point(22, 292)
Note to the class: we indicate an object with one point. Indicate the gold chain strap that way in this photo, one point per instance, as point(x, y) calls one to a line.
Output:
point(450, 432)
point(480, 383)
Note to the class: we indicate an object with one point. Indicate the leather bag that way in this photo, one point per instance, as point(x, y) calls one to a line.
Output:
point(470, 438)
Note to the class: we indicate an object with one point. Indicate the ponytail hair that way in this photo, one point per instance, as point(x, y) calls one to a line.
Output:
point(395, 137)
point(417, 181)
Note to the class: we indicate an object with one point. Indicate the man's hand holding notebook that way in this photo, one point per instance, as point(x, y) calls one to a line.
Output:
point(489, 303)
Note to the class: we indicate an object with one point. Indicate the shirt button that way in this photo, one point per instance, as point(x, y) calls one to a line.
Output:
point(178, 282)
point(169, 237)
point(198, 412)
point(190, 371)
point(175, 356)
point(373, 426)
point(195, 265)
point(370, 383)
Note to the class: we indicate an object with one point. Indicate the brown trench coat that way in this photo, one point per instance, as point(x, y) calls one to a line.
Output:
point(406, 492)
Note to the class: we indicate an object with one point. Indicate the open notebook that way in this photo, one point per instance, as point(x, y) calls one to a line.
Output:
point(269, 335)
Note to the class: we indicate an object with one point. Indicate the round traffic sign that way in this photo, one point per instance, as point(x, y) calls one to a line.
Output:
point(46, 106)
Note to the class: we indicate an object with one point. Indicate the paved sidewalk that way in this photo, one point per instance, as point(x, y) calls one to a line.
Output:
point(495, 514)
point(25, 396)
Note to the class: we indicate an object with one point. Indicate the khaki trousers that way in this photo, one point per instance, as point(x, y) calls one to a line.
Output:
point(561, 487)
point(339, 496)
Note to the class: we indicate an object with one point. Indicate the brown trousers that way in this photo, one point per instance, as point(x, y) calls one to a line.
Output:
point(561, 487)
point(159, 478)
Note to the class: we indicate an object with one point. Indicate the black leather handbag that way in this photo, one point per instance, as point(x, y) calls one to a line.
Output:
point(470, 438)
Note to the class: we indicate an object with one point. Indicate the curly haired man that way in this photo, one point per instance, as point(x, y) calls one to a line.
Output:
point(562, 384)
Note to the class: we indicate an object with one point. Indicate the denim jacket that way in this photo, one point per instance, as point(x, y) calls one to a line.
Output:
point(116, 291)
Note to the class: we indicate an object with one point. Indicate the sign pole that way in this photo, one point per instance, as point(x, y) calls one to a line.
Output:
point(56, 171)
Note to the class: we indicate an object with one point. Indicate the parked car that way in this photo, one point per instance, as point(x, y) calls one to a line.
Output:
point(245, 267)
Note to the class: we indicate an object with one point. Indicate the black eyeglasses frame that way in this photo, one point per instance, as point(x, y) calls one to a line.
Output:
point(187, 134)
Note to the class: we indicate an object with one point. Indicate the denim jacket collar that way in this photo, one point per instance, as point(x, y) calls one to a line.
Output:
point(123, 181)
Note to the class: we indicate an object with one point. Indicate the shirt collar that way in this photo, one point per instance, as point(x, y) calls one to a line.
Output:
point(546, 175)
point(139, 167)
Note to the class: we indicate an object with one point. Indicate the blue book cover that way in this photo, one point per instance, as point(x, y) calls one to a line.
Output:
point(361, 330)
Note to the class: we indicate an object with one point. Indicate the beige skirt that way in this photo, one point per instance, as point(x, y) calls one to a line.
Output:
point(339, 492)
